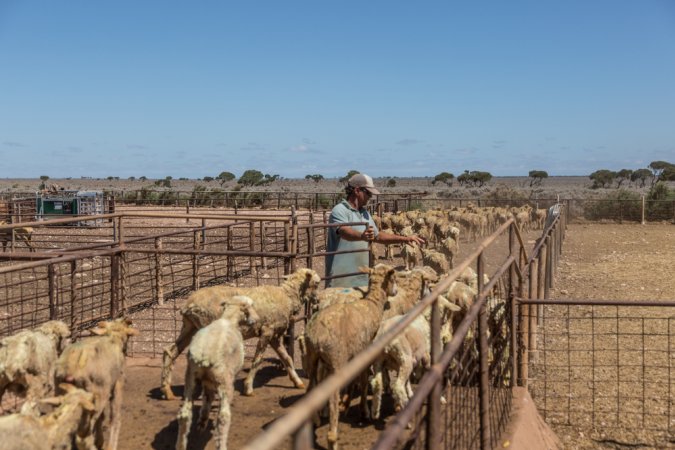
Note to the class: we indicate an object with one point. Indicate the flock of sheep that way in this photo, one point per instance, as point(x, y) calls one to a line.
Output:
point(73, 391)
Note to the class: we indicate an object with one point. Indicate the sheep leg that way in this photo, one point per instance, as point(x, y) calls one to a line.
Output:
point(399, 388)
point(257, 359)
point(364, 394)
point(99, 437)
point(378, 389)
point(287, 362)
point(333, 421)
point(185, 412)
point(171, 353)
point(116, 413)
point(223, 428)
point(209, 394)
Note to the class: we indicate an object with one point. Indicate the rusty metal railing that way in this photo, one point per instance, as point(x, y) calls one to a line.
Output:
point(465, 359)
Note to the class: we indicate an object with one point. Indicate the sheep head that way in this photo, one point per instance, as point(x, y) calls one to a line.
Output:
point(381, 276)
point(240, 308)
point(58, 331)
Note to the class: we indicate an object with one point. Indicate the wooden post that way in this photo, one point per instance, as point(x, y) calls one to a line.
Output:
point(159, 286)
point(251, 245)
point(263, 238)
point(303, 439)
point(187, 210)
point(523, 349)
point(294, 239)
point(434, 429)
point(642, 221)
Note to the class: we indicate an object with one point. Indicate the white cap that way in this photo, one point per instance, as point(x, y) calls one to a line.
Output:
point(361, 180)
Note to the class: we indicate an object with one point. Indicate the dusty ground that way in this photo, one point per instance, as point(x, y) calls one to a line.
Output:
point(628, 262)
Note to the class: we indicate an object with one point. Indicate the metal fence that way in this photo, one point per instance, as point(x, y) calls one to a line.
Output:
point(604, 368)
point(475, 371)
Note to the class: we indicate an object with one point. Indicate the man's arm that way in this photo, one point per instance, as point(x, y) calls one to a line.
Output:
point(389, 238)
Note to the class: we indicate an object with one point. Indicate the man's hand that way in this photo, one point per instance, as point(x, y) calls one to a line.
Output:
point(368, 234)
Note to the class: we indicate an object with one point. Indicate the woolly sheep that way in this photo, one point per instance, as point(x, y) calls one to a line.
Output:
point(276, 306)
point(96, 364)
point(436, 261)
point(27, 361)
point(410, 350)
point(334, 335)
point(54, 431)
point(215, 356)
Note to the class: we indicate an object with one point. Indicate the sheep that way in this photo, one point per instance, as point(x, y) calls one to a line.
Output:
point(215, 356)
point(409, 350)
point(334, 335)
point(276, 306)
point(97, 364)
point(449, 249)
point(436, 261)
point(463, 296)
point(411, 287)
point(23, 234)
point(27, 362)
point(411, 255)
point(55, 430)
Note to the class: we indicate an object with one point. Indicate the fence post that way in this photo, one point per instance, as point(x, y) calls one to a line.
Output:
point(228, 247)
point(251, 244)
point(547, 267)
point(515, 349)
point(532, 315)
point(73, 291)
point(642, 221)
point(159, 286)
point(434, 431)
point(53, 294)
point(123, 285)
point(195, 260)
point(114, 284)
point(304, 437)
point(263, 238)
point(484, 386)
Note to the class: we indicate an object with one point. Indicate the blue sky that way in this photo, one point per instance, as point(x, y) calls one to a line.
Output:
point(390, 88)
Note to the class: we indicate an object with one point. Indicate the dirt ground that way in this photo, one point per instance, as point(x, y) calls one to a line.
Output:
point(616, 262)
point(598, 261)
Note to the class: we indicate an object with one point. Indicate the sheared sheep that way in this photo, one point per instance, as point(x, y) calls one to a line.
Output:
point(54, 431)
point(410, 350)
point(97, 364)
point(276, 306)
point(215, 356)
point(436, 261)
point(27, 362)
point(334, 335)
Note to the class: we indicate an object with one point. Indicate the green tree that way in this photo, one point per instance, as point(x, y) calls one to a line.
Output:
point(350, 174)
point(622, 176)
point(208, 179)
point(443, 177)
point(602, 178)
point(391, 182)
point(132, 178)
point(537, 176)
point(143, 178)
point(224, 177)
point(316, 177)
point(267, 179)
point(640, 176)
point(251, 177)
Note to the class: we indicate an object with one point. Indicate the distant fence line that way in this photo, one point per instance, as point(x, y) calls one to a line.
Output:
point(16, 207)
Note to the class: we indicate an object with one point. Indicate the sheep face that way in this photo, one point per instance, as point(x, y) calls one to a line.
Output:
point(244, 307)
point(58, 331)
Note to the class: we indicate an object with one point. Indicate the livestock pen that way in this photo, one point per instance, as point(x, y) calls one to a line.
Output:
point(133, 262)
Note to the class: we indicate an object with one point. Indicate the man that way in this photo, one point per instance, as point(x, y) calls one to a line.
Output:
point(359, 189)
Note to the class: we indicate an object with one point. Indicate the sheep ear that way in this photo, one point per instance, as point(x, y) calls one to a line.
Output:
point(448, 304)
point(67, 387)
point(97, 331)
point(132, 332)
point(51, 401)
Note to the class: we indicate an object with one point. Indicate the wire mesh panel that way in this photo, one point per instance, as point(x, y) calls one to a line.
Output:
point(607, 371)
